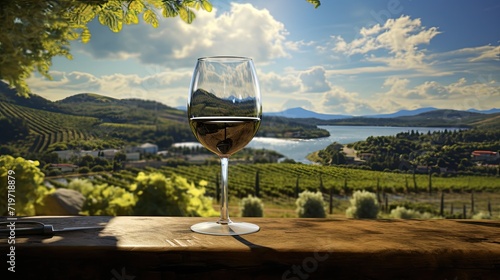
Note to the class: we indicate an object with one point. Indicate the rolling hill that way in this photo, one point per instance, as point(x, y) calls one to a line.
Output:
point(44, 127)
point(131, 111)
point(86, 120)
point(94, 121)
point(435, 118)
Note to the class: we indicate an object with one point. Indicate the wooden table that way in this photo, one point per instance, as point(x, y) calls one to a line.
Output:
point(165, 248)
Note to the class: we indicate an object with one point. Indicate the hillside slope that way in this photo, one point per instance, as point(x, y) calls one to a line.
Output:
point(109, 109)
point(111, 123)
point(436, 118)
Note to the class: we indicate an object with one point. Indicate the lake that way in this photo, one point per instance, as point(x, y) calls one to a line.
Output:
point(298, 149)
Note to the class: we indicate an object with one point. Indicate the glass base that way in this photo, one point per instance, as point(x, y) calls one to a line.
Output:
point(215, 228)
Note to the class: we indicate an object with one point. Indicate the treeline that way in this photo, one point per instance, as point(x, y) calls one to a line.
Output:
point(448, 151)
point(280, 127)
point(437, 118)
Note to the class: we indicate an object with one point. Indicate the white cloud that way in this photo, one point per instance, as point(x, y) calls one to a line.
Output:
point(488, 53)
point(314, 80)
point(272, 82)
point(460, 94)
point(396, 85)
point(400, 39)
point(244, 30)
point(483, 53)
point(340, 100)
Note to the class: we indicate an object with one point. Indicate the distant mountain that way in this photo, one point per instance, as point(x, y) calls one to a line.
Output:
point(403, 113)
point(490, 111)
point(301, 113)
point(436, 118)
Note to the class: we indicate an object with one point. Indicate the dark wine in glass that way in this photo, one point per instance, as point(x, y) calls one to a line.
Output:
point(224, 111)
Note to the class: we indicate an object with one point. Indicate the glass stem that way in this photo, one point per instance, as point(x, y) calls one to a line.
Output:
point(224, 209)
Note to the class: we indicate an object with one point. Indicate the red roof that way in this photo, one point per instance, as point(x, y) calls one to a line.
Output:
point(478, 153)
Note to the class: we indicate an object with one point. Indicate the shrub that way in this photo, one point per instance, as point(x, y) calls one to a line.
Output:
point(170, 196)
point(25, 178)
point(310, 205)
point(83, 170)
point(482, 216)
point(54, 172)
point(84, 186)
point(251, 207)
point(364, 205)
point(401, 212)
point(103, 199)
point(97, 168)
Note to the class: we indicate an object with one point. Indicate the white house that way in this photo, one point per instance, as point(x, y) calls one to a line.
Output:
point(109, 153)
point(147, 148)
point(66, 154)
point(90, 153)
point(133, 156)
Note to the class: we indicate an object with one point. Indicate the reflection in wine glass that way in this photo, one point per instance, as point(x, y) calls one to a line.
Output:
point(224, 111)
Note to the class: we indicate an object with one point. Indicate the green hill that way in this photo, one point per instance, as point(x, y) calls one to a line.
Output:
point(35, 130)
point(436, 118)
point(87, 97)
point(131, 111)
point(86, 120)
point(493, 122)
point(93, 121)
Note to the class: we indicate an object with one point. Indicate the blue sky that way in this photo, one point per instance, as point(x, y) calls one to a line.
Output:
point(348, 57)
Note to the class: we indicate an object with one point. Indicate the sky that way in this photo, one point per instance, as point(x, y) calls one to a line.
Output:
point(345, 57)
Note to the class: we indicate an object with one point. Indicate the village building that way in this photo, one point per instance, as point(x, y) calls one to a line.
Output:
point(486, 156)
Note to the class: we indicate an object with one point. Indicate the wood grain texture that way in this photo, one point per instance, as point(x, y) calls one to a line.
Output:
point(165, 248)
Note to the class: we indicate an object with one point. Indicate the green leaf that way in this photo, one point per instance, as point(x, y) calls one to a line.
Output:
point(207, 6)
point(186, 15)
point(73, 35)
point(150, 17)
point(85, 35)
point(131, 17)
point(316, 3)
point(136, 6)
point(170, 11)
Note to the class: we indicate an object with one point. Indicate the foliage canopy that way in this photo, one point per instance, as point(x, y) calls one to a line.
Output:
point(310, 205)
point(21, 181)
point(364, 205)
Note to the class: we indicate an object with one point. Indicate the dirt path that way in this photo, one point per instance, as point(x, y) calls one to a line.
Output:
point(350, 152)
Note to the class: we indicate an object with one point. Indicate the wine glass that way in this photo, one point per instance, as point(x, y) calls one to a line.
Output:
point(224, 110)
